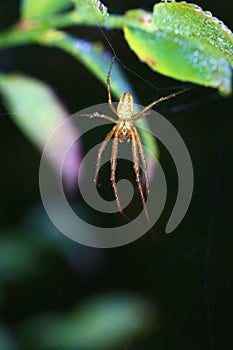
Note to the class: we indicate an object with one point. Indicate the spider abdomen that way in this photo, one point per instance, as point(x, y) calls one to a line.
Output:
point(125, 106)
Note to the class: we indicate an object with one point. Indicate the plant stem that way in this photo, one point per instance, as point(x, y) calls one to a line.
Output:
point(26, 32)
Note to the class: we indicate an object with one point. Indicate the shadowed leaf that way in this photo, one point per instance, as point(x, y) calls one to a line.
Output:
point(37, 112)
point(105, 322)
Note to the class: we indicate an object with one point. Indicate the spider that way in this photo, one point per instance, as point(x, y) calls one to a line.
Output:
point(125, 130)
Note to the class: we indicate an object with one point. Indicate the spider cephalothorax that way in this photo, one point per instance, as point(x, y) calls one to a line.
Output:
point(125, 129)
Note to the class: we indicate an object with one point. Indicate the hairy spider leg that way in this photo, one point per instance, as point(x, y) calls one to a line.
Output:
point(143, 158)
point(109, 88)
point(152, 104)
point(100, 151)
point(137, 173)
point(98, 115)
point(113, 131)
point(113, 169)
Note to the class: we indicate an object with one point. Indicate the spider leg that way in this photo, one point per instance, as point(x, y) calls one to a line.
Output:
point(113, 172)
point(101, 149)
point(98, 115)
point(137, 173)
point(152, 104)
point(109, 87)
point(143, 158)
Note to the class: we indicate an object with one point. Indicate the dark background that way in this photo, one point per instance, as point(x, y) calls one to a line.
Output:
point(189, 273)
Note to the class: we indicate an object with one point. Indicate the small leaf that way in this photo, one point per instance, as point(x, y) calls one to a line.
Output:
point(105, 322)
point(37, 112)
point(183, 42)
point(31, 9)
point(91, 9)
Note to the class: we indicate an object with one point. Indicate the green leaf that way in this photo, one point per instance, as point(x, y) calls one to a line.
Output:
point(37, 112)
point(105, 322)
point(183, 42)
point(31, 9)
point(189, 20)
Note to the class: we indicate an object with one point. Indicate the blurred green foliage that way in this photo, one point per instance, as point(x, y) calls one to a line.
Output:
point(105, 322)
point(31, 10)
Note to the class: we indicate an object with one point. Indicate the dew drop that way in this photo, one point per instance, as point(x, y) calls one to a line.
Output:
point(208, 13)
